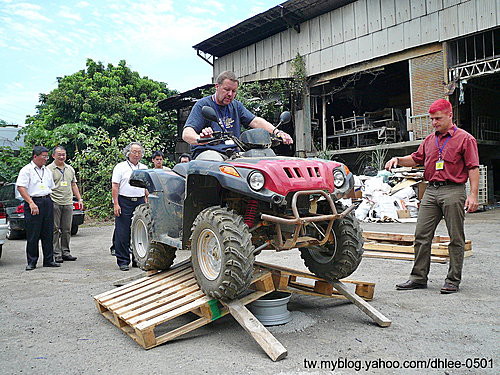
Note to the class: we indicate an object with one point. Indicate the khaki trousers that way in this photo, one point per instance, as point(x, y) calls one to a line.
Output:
point(445, 201)
point(63, 216)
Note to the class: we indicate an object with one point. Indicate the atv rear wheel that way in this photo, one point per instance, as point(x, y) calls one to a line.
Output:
point(334, 261)
point(222, 253)
point(148, 255)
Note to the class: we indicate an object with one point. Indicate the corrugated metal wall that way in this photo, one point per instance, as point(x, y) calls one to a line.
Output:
point(361, 31)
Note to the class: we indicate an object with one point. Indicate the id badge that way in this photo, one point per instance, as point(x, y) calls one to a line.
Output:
point(229, 142)
point(439, 165)
point(64, 183)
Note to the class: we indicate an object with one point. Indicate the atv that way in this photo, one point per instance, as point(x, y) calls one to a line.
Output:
point(227, 212)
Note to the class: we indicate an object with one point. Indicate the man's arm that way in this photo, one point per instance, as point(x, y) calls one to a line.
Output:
point(190, 136)
point(24, 193)
point(76, 192)
point(403, 161)
point(259, 122)
point(471, 203)
point(114, 193)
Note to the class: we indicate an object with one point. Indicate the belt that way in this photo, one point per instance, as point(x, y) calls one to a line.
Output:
point(133, 199)
point(41, 197)
point(442, 183)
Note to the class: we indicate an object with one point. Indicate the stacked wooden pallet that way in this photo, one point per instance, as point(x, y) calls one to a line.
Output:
point(400, 246)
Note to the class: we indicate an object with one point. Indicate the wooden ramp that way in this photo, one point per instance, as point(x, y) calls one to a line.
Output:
point(145, 308)
point(400, 246)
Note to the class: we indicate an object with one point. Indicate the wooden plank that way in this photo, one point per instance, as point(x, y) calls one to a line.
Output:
point(174, 313)
point(399, 256)
point(378, 246)
point(274, 349)
point(368, 309)
point(397, 237)
point(154, 291)
point(163, 313)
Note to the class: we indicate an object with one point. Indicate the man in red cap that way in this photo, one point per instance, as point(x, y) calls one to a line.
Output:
point(450, 157)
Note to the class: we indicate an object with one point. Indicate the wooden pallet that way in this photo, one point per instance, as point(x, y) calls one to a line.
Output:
point(400, 246)
point(143, 305)
point(144, 308)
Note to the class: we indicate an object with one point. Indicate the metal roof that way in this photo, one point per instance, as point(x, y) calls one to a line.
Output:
point(288, 14)
point(184, 99)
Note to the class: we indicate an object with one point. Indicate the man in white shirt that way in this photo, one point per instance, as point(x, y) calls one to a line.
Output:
point(35, 184)
point(125, 199)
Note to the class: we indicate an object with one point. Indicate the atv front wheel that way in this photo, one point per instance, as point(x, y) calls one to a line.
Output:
point(338, 258)
point(148, 255)
point(222, 253)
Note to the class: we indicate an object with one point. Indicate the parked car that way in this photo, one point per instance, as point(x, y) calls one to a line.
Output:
point(3, 226)
point(14, 208)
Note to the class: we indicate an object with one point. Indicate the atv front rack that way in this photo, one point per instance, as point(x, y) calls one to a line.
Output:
point(299, 222)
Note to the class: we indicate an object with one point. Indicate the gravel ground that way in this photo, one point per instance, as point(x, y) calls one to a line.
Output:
point(49, 323)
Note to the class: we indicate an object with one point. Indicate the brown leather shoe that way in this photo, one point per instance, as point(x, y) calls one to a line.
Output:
point(409, 285)
point(449, 288)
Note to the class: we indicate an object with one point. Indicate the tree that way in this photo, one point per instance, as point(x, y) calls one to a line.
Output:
point(3, 123)
point(94, 113)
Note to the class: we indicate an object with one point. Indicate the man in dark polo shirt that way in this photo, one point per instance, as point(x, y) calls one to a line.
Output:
point(232, 116)
point(450, 157)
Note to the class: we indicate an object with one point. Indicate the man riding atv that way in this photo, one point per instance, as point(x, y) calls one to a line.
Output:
point(231, 116)
point(237, 198)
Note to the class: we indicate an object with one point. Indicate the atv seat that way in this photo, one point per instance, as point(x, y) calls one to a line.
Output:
point(181, 169)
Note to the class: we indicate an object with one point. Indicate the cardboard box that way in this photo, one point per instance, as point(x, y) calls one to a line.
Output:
point(403, 214)
point(355, 194)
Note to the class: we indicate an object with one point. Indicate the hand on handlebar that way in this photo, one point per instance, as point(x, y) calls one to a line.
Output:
point(285, 137)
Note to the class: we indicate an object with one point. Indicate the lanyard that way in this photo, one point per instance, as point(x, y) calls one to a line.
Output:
point(219, 114)
point(62, 171)
point(130, 165)
point(440, 149)
point(38, 174)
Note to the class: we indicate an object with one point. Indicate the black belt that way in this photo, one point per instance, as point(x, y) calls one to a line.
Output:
point(42, 197)
point(442, 183)
point(133, 199)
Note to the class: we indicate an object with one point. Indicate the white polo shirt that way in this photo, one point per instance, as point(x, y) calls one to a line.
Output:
point(38, 181)
point(121, 175)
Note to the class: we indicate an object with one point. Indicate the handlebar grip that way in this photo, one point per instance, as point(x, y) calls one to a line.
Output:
point(206, 140)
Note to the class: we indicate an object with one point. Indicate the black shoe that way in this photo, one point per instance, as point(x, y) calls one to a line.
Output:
point(69, 258)
point(52, 264)
point(134, 264)
point(30, 267)
point(124, 268)
point(449, 288)
point(58, 260)
point(409, 285)
point(112, 251)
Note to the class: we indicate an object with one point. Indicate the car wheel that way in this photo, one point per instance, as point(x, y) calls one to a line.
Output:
point(74, 229)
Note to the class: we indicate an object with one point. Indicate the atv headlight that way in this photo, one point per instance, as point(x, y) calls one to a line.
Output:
point(338, 178)
point(256, 180)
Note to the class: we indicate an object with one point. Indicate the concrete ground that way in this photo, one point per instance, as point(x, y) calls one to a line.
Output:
point(49, 323)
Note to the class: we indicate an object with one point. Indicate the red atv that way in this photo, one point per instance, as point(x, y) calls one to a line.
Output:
point(228, 212)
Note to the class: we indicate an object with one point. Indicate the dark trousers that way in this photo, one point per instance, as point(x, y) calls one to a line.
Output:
point(39, 227)
point(438, 202)
point(122, 229)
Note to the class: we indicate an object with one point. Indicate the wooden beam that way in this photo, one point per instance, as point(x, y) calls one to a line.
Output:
point(251, 324)
point(364, 306)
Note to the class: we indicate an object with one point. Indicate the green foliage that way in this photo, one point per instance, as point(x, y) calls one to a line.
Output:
point(264, 99)
point(95, 175)
point(3, 123)
point(299, 74)
point(94, 113)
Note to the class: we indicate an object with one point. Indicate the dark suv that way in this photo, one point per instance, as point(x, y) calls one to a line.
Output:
point(14, 207)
